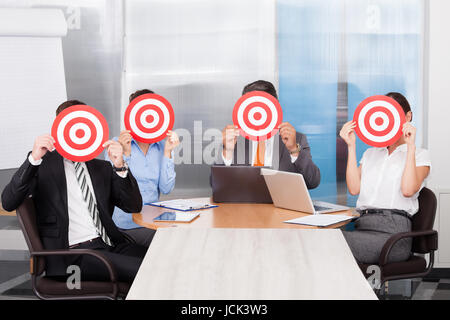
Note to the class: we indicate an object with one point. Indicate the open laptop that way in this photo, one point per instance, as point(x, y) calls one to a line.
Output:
point(288, 190)
point(241, 184)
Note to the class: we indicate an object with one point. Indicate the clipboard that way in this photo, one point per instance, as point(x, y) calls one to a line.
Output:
point(184, 205)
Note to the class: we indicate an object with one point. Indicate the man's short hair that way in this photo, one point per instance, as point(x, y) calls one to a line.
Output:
point(139, 93)
point(261, 85)
point(68, 104)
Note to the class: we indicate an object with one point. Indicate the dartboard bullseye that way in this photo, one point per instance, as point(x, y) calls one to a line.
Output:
point(149, 117)
point(257, 114)
point(79, 133)
point(379, 121)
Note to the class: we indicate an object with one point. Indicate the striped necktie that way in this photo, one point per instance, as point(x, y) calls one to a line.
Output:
point(90, 201)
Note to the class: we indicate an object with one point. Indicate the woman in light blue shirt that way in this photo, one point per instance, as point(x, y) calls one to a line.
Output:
point(153, 167)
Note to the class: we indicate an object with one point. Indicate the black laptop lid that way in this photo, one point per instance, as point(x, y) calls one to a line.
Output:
point(239, 184)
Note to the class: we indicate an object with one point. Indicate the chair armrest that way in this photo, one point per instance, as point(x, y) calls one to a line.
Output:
point(73, 252)
point(397, 237)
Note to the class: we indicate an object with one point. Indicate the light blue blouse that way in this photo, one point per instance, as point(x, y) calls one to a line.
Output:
point(154, 174)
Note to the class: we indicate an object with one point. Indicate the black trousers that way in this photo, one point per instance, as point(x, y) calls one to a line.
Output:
point(125, 258)
point(142, 236)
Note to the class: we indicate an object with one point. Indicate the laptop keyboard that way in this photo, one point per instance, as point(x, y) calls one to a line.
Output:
point(320, 208)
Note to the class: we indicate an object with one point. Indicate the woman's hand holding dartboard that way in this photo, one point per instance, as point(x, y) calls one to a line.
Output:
point(348, 133)
point(125, 140)
point(171, 143)
point(409, 133)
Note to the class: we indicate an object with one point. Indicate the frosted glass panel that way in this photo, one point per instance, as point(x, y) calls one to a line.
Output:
point(384, 53)
point(199, 55)
point(332, 55)
point(308, 55)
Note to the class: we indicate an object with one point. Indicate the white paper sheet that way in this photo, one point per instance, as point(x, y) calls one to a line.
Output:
point(320, 220)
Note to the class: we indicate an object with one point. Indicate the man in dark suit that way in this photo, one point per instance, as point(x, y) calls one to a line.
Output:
point(74, 205)
point(286, 151)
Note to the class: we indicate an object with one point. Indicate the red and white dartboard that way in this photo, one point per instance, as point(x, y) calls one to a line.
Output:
point(257, 114)
point(379, 121)
point(149, 117)
point(80, 132)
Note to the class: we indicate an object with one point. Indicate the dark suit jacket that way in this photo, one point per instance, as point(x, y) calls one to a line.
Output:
point(304, 163)
point(47, 185)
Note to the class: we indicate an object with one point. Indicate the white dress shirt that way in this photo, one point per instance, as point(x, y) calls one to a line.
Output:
point(381, 176)
point(267, 156)
point(81, 224)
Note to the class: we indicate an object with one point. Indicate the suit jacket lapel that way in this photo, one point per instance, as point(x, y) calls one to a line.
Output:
point(242, 152)
point(277, 153)
point(280, 146)
point(248, 152)
point(98, 184)
point(59, 175)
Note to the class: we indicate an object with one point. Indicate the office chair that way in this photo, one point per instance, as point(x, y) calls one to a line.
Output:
point(425, 241)
point(49, 288)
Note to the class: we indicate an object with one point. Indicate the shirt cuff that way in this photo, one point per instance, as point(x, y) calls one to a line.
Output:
point(122, 174)
point(168, 162)
point(226, 161)
point(171, 156)
point(293, 159)
point(126, 158)
point(34, 162)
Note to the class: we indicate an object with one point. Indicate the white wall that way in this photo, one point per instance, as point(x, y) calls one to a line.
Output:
point(30, 47)
point(438, 119)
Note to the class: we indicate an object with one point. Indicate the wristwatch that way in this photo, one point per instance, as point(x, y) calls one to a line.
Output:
point(296, 150)
point(122, 169)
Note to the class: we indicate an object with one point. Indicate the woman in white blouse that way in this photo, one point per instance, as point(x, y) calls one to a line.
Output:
point(388, 181)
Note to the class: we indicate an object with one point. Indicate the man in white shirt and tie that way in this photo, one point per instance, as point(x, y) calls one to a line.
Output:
point(74, 204)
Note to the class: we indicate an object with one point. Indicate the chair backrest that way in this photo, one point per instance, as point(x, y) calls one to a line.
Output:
point(26, 213)
point(424, 220)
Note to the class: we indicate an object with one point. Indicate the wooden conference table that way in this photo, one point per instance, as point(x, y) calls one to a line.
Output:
point(232, 215)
